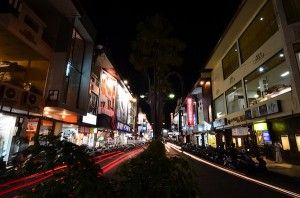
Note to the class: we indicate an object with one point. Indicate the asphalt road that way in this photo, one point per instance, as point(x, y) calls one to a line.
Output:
point(215, 183)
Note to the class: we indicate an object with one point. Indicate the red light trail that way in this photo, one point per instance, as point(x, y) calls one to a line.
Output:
point(20, 183)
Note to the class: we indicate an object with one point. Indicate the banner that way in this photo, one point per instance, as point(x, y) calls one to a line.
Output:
point(122, 105)
point(190, 113)
point(108, 92)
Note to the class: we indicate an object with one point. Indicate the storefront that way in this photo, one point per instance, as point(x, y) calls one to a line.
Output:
point(124, 133)
point(262, 134)
point(7, 131)
point(287, 132)
point(211, 139)
point(240, 137)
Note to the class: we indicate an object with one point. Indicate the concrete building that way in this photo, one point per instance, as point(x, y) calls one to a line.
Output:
point(45, 54)
point(256, 78)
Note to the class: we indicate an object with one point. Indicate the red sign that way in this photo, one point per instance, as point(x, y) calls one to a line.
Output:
point(190, 114)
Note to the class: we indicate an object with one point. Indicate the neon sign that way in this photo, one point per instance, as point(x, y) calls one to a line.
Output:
point(190, 114)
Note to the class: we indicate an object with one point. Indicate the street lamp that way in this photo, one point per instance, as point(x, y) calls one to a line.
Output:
point(171, 95)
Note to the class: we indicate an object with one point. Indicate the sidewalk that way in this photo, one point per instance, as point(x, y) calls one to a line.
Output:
point(283, 168)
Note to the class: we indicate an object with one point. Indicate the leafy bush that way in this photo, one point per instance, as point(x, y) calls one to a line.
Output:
point(152, 174)
point(79, 179)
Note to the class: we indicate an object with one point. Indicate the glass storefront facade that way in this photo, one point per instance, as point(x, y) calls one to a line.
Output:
point(219, 105)
point(230, 62)
point(235, 98)
point(262, 27)
point(74, 69)
point(269, 80)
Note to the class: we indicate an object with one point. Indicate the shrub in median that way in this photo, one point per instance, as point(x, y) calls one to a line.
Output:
point(152, 174)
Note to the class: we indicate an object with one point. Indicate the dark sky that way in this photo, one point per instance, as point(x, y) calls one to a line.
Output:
point(199, 24)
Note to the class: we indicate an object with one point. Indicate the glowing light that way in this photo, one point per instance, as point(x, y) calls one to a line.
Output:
point(261, 69)
point(256, 96)
point(237, 174)
point(125, 82)
point(171, 95)
point(285, 74)
point(201, 82)
point(261, 18)
point(281, 55)
point(142, 96)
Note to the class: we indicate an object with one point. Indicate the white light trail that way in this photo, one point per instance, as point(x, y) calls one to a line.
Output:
point(279, 189)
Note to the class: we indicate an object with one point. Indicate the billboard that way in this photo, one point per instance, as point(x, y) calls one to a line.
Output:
point(122, 105)
point(108, 93)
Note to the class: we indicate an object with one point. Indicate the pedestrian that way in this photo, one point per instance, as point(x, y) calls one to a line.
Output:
point(278, 147)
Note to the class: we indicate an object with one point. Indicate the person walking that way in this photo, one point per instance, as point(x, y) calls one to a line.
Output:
point(278, 147)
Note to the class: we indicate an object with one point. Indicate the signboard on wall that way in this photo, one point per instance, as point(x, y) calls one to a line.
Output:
point(263, 110)
point(190, 113)
point(108, 92)
point(123, 127)
point(219, 122)
point(122, 104)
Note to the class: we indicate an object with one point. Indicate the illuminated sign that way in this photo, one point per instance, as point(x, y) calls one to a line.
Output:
point(190, 114)
point(123, 127)
point(89, 119)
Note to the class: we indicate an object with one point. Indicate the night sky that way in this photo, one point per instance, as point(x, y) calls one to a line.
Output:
point(199, 24)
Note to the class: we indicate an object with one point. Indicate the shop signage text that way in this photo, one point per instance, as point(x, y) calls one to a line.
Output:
point(219, 122)
point(190, 112)
point(262, 110)
point(237, 119)
point(123, 127)
point(240, 131)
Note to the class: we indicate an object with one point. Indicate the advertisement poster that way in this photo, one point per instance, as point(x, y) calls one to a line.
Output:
point(108, 92)
point(122, 105)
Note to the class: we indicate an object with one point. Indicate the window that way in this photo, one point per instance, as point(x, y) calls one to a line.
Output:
point(74, 69)
point(292, 10)
point(235, 98)
point(31, 23)
point(258, 32)
point(230, 62)
point(269, 80)
point(219, 104)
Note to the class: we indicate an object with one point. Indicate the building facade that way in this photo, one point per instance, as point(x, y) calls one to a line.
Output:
point(46, 54)
point(256, 78)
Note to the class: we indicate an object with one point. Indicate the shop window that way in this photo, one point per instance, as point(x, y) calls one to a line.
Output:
point(239, 142)
point(235, 98)
point(234, 141)
point(74, 69)
point(269, 80)
point(262, 27)
point(230, 62)
point(211, 138)
point(292, 10)
point(297, 136)
point(285, 142)
point(7, 126)
point(219, 105)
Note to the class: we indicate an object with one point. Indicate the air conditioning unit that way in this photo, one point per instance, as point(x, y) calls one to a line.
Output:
point(32, 99)
point(10, 93)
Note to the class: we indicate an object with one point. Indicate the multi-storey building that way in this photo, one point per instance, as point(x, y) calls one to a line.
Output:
point(256, 78)
point(45, 54)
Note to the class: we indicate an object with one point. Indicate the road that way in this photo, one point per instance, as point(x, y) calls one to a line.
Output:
point(215, 181)
point(108, 162)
